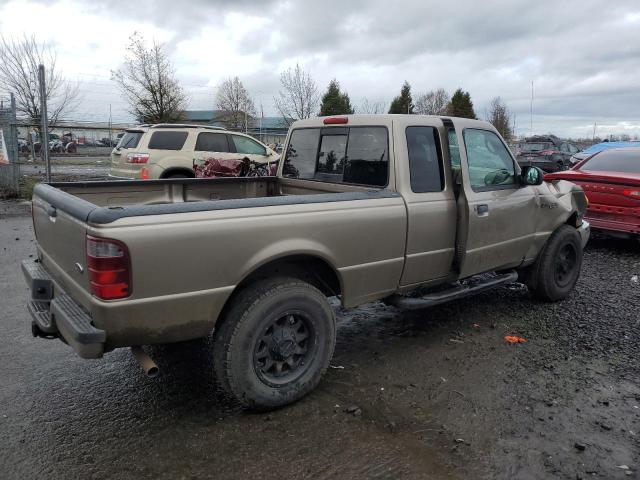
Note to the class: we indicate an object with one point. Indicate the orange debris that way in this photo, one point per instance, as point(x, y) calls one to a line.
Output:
point(514, 339)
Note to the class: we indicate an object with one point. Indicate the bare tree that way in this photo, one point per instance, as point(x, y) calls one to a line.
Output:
point(19, 61)
point(371, 108)
point(148, 82)
point(298, 97)
point(500, 117)
point(432, 103)
point(234, 100)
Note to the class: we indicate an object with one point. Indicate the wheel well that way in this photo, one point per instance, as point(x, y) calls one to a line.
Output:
point(313, 270)
point(573, 220)
point(308, 268)
point(172, 171)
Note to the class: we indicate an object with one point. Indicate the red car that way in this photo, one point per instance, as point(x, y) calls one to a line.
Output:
point(611, 181)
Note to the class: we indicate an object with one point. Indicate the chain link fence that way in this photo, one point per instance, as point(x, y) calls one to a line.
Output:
point(9, 172)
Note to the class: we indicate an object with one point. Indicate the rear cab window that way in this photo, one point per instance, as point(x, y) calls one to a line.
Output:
point(167, 140)
point(353, 155)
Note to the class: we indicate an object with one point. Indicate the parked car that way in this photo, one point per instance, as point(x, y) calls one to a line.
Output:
point(172, 151)
point(548, 153)
point(598, 147)
point(611, 181)
point(364, 208)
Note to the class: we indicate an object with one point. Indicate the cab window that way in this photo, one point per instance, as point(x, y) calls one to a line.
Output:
point(247, 146)
point(425, 165)
point(490, 164)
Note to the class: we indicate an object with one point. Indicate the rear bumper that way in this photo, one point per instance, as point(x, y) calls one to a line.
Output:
point(59, 315)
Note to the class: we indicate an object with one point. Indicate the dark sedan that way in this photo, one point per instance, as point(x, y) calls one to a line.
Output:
point(546, 152)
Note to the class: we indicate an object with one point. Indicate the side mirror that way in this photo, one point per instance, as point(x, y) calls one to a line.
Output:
point(531, 175)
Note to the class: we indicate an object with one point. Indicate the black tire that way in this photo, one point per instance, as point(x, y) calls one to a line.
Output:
point(178, 175)
point(274, 343)
point(555, 273)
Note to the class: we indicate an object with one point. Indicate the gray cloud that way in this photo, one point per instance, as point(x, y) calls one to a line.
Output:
point(582, 55)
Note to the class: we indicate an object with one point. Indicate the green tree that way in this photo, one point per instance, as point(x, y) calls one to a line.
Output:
point(334, 102)
point(402, 103)
point(461, 105)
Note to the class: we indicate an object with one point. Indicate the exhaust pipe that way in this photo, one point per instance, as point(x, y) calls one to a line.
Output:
point(145, 361)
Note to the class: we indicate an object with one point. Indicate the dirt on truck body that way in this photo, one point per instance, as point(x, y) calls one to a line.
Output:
point(413, 210)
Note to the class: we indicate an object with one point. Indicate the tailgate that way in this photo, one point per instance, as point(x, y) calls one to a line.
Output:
point(61, 242)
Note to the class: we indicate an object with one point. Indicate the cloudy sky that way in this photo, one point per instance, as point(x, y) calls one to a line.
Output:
point(582, 56)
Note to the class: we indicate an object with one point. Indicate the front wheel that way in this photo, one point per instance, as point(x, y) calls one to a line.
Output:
point(274, 343)
point(556, 271)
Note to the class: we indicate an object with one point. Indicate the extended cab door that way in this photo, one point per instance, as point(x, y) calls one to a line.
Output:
point(427, 188)
point(497, 221)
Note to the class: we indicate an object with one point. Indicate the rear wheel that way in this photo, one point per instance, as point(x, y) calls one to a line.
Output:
point(274, 343)
point(178, 175)
point(557, 268)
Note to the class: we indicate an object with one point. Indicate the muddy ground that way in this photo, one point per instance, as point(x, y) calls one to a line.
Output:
point(432, 395)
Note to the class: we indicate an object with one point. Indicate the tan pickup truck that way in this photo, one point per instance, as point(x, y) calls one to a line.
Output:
point(411, 210)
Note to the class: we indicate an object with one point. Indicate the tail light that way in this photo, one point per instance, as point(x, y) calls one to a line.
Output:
point(137, 157)
point(109, 268)
point(632, 192)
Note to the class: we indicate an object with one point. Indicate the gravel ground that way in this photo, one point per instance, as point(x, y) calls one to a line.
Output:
point(436, 394)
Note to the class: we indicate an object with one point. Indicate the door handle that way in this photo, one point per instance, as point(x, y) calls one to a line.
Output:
point(482, 210)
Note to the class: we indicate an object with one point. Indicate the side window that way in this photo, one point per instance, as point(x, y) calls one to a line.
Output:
point(573, 148)
point(167, 140)
point(564, 147)
point(247, 146)
point(490, 164)
point(425, 165)
point(367, 157)
point(212, 142)
point(454, 148)
point(300, 159)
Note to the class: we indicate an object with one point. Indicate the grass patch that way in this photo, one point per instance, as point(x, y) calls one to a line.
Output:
point(26, 186)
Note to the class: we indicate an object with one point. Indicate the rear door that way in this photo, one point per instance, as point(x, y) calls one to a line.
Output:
point(499, 214)
point(430, 200)
point(212, 145)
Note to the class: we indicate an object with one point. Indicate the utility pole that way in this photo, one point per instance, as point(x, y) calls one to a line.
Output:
point(110, 134)
point(531, 111)
point(44, 141)
point(594, 131)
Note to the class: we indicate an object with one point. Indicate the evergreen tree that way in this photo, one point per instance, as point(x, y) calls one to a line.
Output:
point(334, 102)
point(402, 103)
point(461, 105)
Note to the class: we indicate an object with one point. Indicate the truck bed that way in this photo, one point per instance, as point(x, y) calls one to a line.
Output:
point(105, 201)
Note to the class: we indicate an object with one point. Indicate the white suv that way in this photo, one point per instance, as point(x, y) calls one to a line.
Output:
point(170, 150)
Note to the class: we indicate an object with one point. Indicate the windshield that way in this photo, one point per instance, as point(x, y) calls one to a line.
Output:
point(622, 160)
point(536, 147)
point(129, 140)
